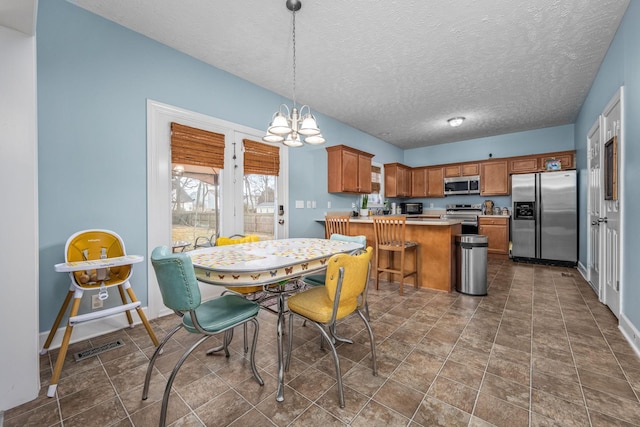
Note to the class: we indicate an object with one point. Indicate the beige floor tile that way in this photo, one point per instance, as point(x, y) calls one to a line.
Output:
point(533, 352)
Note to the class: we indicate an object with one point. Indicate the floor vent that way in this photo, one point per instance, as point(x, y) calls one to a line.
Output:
point(567, 275)
point(81, 355)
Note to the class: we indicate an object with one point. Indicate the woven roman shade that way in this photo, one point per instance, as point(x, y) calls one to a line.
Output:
point(261, 159)
point(192, 146)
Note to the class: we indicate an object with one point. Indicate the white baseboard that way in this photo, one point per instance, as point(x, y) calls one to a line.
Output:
point(583, 271)
point(585, 275)
point(630, 332)
point(94, 328)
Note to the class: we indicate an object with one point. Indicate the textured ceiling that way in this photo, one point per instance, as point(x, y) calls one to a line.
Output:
point(398, 69)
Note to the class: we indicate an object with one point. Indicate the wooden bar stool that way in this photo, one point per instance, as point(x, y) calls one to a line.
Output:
point(390, 236)
point(336, 224)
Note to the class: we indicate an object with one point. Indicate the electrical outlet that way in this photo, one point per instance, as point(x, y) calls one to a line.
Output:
point(96, 302)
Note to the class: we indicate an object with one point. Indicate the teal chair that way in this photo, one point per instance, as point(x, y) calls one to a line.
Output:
point(319, 279)
point(180, 292)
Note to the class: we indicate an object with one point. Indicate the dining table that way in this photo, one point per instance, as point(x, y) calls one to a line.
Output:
point(271, 264)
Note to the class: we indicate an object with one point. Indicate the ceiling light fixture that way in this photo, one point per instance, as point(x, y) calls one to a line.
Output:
point(288, 125)
point(454, 122)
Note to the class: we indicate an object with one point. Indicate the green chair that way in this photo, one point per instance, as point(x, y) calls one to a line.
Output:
point(343, 295)
point(180, 292)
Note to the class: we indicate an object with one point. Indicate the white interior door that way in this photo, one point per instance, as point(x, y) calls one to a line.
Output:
point(595, 201)
point(610, 215)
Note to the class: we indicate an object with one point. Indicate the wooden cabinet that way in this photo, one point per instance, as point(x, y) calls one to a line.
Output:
point(419, 182)
point(349, 170)
point(566, 159)
point(497, 231)
point(463, 169)
point(494, 178)
point(538, 162)
point(397, 180)
point(524, 164)
point(435, 182)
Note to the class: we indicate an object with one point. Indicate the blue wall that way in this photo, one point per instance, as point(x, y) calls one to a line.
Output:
point(94, 78)
point(621, 67)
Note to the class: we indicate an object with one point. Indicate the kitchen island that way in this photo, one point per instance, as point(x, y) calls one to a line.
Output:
point(437, 248)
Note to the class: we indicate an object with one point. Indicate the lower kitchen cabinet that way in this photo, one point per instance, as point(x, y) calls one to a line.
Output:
point(496, 228)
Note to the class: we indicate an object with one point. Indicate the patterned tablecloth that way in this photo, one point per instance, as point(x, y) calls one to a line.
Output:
point(265, 262)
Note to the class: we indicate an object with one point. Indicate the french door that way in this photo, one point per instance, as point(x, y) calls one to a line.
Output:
point(229, 202)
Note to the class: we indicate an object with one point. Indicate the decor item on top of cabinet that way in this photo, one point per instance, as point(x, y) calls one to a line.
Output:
point(553, 164)
point(365, 201)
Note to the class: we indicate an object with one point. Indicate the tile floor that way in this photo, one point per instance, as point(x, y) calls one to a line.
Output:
point(539, 350)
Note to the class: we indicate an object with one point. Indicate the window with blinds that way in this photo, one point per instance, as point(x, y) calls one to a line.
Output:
point(197, 157)
point(261, 170)
point(260, 158)
point(192, 146)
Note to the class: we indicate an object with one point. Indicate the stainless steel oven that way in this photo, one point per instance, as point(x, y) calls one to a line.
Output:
point(467, 213)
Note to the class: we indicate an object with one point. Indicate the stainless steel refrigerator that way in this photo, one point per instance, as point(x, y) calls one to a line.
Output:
point(544, 220)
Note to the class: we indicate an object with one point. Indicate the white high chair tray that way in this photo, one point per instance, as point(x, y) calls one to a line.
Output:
point(91, 264)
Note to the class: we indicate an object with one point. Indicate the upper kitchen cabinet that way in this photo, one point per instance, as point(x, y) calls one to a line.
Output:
point(523, 164)
point(464, 169)
point(419, 183)
point(538, 162)
point(566, 160)
point(494, 178)
point(349, 170)
point(397, 180)
point(435, 181)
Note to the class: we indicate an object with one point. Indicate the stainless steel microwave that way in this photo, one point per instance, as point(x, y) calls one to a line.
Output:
point(411, 208)
point(462, 185)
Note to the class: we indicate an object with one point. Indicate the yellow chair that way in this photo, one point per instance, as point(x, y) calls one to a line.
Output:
point(249, 292)
point(91, 245)
point(235, 240)
point(390, 235)
point(336, 224)
point(344, 294)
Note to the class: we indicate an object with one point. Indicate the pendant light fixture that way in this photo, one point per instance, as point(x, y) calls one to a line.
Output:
point(292, 126)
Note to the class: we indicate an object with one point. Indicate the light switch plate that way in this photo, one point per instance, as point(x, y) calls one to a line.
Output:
point(299, 204)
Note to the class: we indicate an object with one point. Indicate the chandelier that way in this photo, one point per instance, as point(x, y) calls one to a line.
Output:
point(290, 125)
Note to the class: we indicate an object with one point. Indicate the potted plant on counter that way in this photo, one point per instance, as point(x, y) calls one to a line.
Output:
point(364, 212)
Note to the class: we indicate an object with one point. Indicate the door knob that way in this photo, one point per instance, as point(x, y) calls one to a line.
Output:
point(594, 222)
point(602, 219)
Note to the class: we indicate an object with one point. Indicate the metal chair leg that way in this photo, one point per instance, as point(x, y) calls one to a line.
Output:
point(156, 353)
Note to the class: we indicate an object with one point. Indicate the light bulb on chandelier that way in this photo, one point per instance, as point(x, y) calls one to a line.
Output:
point(290, 125)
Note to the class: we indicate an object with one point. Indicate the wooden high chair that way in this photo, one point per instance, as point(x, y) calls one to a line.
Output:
point(95, 260)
